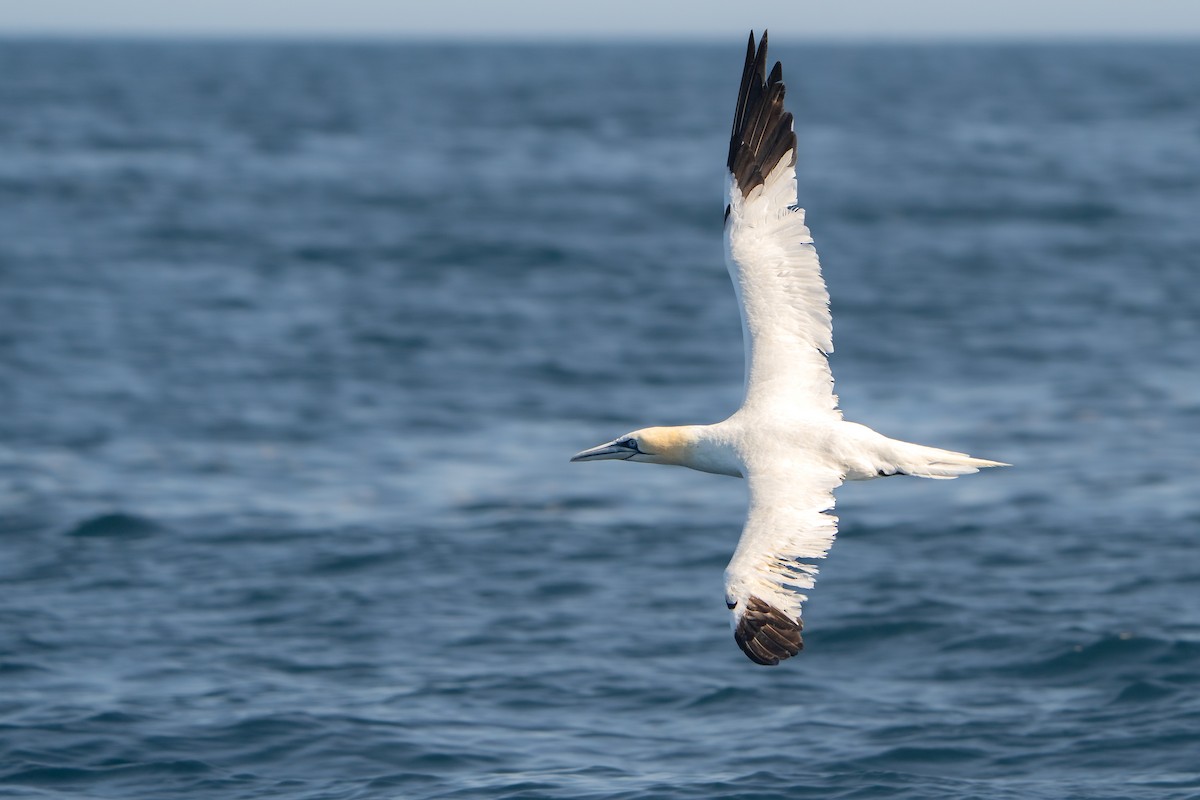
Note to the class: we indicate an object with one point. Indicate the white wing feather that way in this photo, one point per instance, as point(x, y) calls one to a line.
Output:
point(786, 325)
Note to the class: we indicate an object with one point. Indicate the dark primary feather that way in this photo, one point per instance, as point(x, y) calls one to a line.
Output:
point(767, 635)
point(762, 131)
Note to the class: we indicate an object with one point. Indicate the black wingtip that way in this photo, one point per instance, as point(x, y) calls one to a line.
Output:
point(760, 58)
point(762, 132)
point(766, 634)
point(776, 74)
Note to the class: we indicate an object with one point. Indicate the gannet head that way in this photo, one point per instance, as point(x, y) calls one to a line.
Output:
point(651, 445)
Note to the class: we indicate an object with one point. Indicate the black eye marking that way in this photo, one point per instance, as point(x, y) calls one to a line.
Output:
point(630, 443)
point(731, 604)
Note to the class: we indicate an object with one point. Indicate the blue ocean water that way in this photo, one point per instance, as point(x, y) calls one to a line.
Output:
point(296, 340)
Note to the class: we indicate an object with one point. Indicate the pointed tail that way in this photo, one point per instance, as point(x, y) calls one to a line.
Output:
point(930, 462)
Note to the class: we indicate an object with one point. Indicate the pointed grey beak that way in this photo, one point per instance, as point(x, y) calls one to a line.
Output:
point(606, 451)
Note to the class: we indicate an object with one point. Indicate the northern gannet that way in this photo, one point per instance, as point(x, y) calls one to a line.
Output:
point(788, 439)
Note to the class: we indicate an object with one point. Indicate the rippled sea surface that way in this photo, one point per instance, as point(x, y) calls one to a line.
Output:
point(296, 340)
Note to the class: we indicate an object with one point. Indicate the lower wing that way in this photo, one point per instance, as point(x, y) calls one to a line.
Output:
point(787, 529)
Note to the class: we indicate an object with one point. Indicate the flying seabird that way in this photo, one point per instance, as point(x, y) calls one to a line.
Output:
point(788, 439)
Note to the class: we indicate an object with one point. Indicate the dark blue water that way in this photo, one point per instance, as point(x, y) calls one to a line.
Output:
point(296, 340)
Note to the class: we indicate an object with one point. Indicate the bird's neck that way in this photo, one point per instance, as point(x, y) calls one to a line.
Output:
point(705, 448)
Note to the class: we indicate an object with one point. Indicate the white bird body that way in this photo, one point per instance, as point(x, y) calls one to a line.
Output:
point(788, 439)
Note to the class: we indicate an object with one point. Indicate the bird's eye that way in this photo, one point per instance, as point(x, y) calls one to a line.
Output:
point(630, 443)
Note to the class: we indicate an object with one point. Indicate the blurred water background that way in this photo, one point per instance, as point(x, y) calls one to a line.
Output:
point(296, 340)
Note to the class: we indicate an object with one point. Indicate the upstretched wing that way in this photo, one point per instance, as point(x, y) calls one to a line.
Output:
point(786, 325)
point(787, 529)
